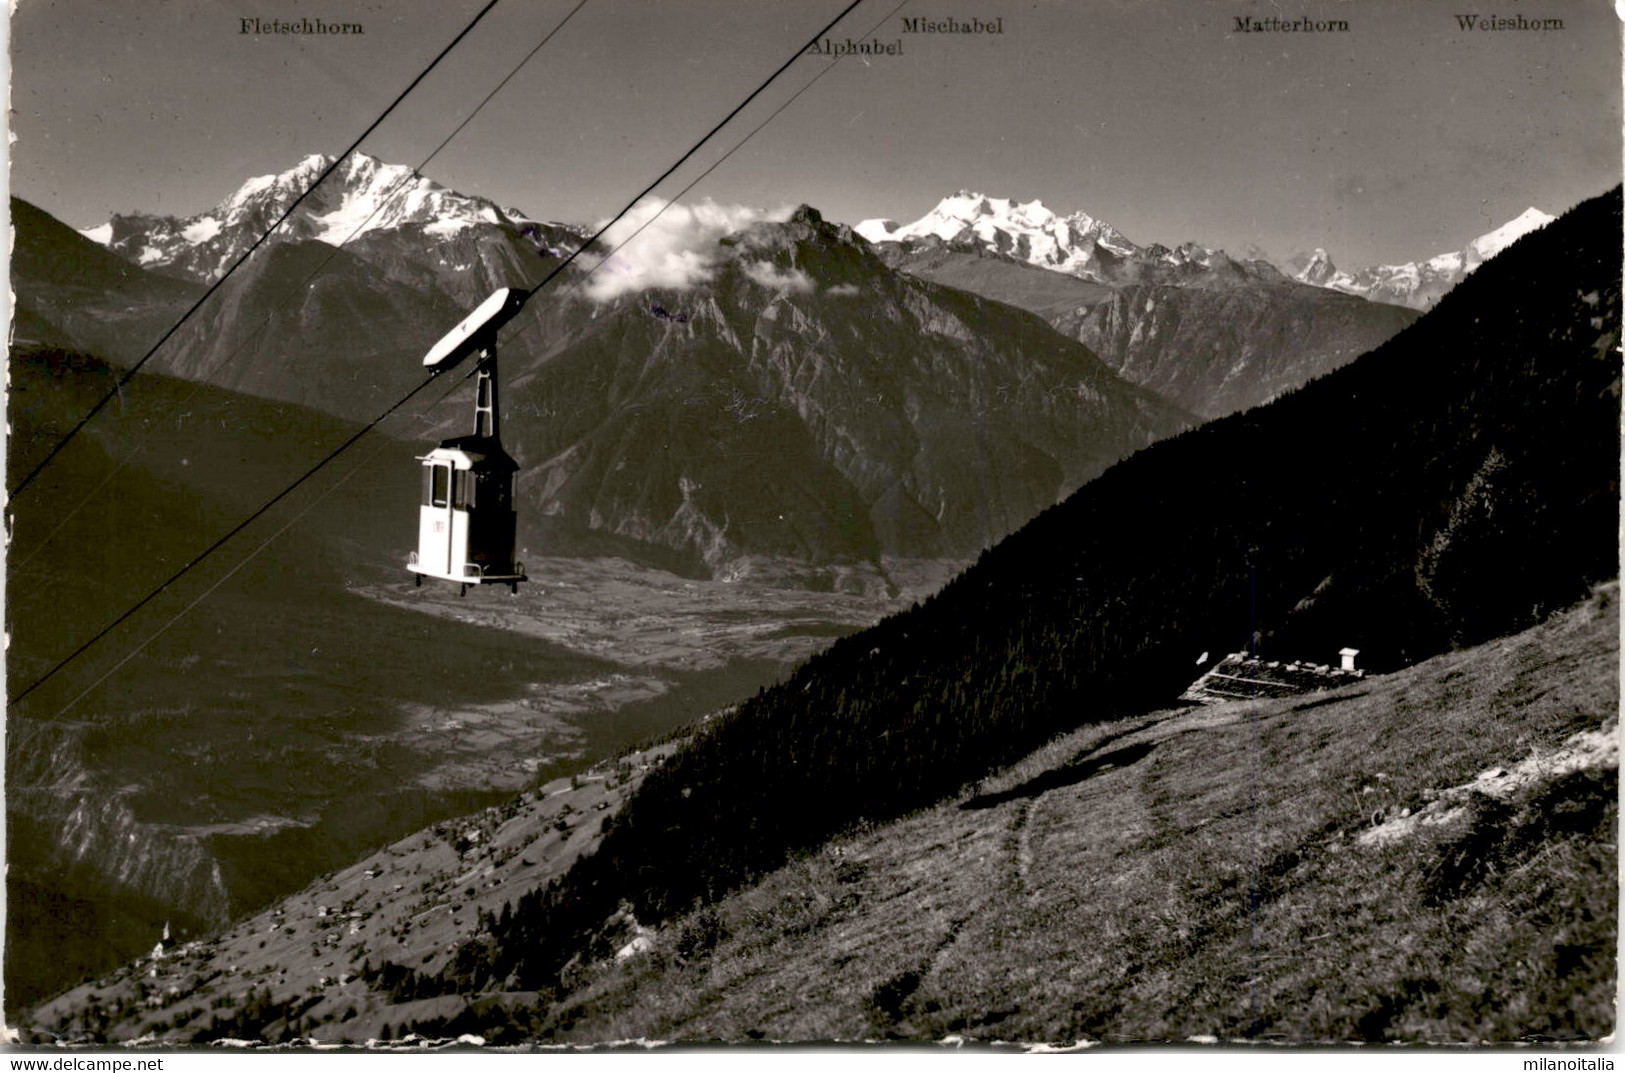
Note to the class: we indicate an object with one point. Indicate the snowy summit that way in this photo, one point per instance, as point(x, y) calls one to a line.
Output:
point(1419, 284)
point(1026, 230)
point(362, 194)
point(1078, 244)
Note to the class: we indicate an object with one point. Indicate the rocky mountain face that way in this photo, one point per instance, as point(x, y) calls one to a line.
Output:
point(1419, 284)
point(305, 322)
point(808, 403)
point(1210, 332)
point(363, 195)
point(1221, 349)
point(469, 262)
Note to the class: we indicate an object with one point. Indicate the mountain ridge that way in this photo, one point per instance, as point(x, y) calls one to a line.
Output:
point(1213, 333)
point(1077, 244)
point(1089, 248)
point(797, 405)
point(1420, 284)
point(364, 194)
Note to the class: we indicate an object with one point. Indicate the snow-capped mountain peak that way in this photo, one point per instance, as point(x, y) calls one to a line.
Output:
point(968, 208)
point(1488, 245)
point(1026, 230)
point(362, 194)
point(1319, 269)
point(1419, 284)
point(284, 186)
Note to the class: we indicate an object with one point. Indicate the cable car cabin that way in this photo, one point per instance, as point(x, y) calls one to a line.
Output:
point(466, 523)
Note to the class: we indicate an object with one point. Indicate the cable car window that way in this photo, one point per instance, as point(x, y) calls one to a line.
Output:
point(459, 482)
point(471, 481)
point(438, 480)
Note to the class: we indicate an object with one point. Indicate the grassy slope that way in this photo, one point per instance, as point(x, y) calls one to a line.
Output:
point(1239, 871)
point(1199, 872)
point(297, 967)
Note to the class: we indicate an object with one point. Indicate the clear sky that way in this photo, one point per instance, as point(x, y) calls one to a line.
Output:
point(1403, 137)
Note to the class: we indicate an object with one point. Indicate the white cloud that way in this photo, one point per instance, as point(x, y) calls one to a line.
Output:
point(844, 290)
point(770, 276)
point(677, 249)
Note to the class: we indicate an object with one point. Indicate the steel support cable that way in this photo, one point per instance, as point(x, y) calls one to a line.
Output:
point(341, 448)
point(17, 489)
point(209, 590)
point(212, 548)
point(299, 288)
point(39, 725)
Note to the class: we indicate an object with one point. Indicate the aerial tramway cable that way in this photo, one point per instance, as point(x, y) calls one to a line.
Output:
point(237, 566)
point(369, 426)
point(209, 590)
point(17, 489)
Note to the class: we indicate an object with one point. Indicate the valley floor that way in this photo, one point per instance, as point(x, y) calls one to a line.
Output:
point(330, 723)
point(1423, 856)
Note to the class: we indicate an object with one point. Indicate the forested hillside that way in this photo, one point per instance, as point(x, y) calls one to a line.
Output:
point(1456, 484)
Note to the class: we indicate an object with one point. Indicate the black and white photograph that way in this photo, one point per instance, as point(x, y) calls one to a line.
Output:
point(967, 526)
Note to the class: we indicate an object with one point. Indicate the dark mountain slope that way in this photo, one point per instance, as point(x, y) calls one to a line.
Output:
point(1214, 335)
point(30, 328)
point(91, 297)
point(350, 341)
point(1458, 483)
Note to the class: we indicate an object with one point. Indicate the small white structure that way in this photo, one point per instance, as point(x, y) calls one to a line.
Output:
point(1348, 655)
point(162, 945)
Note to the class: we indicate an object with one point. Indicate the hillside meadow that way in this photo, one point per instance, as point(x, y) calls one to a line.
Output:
point(1423, 856)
